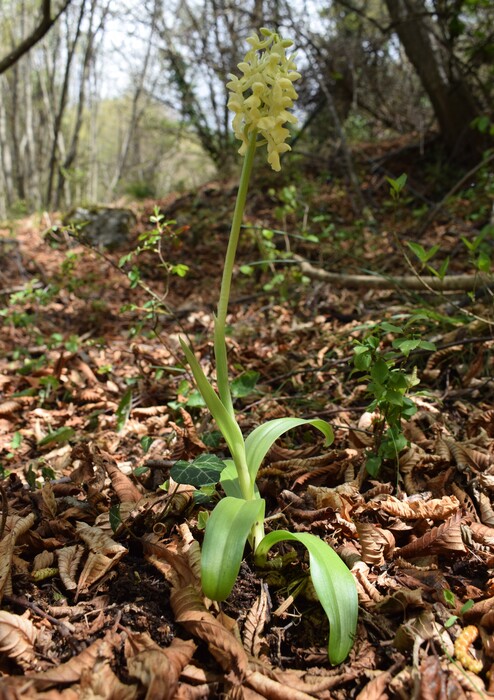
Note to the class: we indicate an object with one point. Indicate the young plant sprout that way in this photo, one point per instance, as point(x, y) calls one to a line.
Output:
point(260, 98)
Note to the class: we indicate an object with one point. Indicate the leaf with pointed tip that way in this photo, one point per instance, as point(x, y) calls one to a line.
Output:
point(334, 585)
point(226, 422)
point(226, 533)
point(262, 438)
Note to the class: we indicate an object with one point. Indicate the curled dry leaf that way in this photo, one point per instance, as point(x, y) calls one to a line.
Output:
point(125, 488)
point(256, 618)
point(96, 566)
point(49, 503)
point(157, 669)
point(104, 554)
point(43, 560)
point(7, 408)
point(100, 682)
point(435, 508)
point(486, 510)
point(447, 537)
point(98, 541)
point(68, 561)
point(72, 670)
point(376, 543)
point(16, 527)
point(17, 637)
point(191, 612)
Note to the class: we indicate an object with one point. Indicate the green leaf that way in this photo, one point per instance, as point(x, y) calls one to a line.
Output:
point(16, 440)
point(422, 254)
point(244, 384)
point(262, 438)
point(115, 517)
point(334, 585)
point(138, 471)
point(180, 270)
point(449, 597)
point(443, 268)
point(373, 464)
point(146, 442)
point(484, 262)
point(229, 481)
point(123, 409)
point(466, 606)
point(379, 371)
point(390, 327)
point(203, 471)
point(226, 422)
point(63, 434)
point(362, 359)
point(406, 346)
point(226, 533)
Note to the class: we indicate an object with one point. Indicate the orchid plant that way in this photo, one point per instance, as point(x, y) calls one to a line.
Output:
point(260, 99)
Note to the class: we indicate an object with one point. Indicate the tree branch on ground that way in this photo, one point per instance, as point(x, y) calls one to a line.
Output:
point(47, 21)
point(446, 284)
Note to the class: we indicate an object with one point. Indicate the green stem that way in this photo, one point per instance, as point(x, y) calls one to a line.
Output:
point(220, 351)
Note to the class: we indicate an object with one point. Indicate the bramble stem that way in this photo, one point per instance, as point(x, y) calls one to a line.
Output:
point(220, 351)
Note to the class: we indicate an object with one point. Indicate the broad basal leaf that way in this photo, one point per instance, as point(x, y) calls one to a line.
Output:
point(226, 422)
point(224, 541)
point(229, 481)
point(260, 440)
point(334, 585)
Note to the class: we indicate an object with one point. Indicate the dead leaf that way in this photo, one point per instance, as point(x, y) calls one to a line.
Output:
point(17, 526)
point(17, 637)
point(72, 670)
point(157, 669)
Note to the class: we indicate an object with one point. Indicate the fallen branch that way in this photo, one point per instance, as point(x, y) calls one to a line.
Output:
point(447, 284)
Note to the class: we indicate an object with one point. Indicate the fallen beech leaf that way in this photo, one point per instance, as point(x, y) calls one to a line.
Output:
point(158, 669)
point(375, 542)
point(446, 537)
point(256, 618)
point(68, 561)
point(435, 508)
point(98, 541)
point(17, 637)
point(18, 526)
point(71, 671)
point(191, 612)
point(96, 566)
point(125, 488)
point(100, 682)
point(432, 680)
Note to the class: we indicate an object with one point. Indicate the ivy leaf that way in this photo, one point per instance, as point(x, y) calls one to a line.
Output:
point(244, 384)
point(205, 470)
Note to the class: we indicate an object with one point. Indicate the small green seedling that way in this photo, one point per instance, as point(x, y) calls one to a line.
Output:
point(389, 383)
point(260, 99)
point(450, 599)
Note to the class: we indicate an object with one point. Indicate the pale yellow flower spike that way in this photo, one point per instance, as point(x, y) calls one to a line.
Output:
point(261, 97)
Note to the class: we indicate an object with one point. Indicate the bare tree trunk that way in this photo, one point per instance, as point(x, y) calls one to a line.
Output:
point(31, 174)
point(452, 100)
point(5, 150)
point(54, 154)
point(135, 112)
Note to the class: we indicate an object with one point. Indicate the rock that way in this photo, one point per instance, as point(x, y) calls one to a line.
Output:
point(102, 226)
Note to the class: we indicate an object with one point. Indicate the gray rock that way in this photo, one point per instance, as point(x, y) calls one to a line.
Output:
point(102, 226)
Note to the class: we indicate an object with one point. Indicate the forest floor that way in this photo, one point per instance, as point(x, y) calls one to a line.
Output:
point(99, 579)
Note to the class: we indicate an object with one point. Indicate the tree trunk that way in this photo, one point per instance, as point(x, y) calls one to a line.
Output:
point(453, 103)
